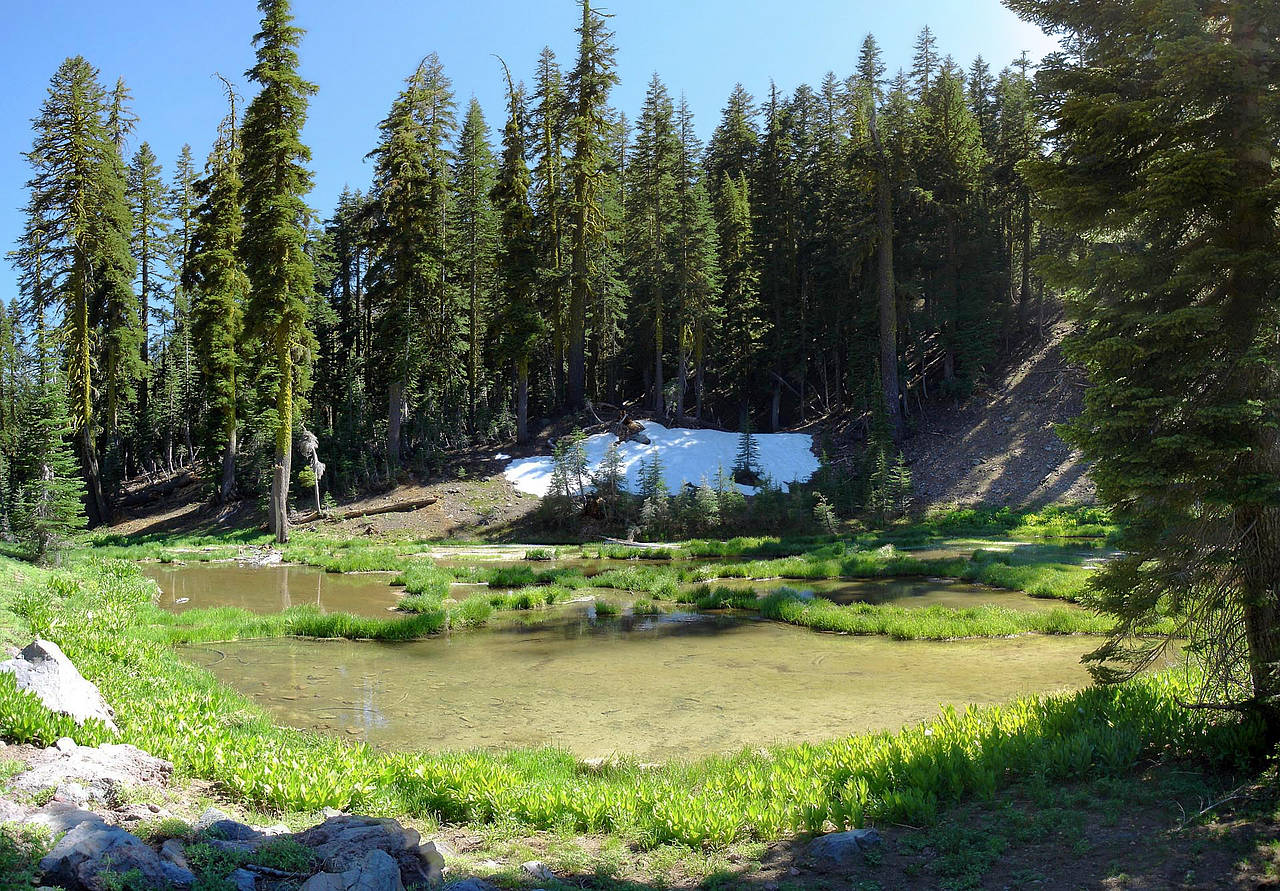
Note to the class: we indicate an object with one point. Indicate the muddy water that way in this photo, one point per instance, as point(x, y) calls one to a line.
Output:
point(658, 688)
point(270, 589)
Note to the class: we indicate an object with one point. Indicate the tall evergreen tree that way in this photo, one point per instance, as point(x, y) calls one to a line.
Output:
point(549, 126)
point(743, 329)
point(517, 322)
point(475, 232)
point(590, 128)
point(276, 180)
point(1173, 175)
point(215, 277)
point(651, 219)
point(152, 225)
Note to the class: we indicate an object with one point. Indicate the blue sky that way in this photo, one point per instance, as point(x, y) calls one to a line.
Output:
point(359, 51)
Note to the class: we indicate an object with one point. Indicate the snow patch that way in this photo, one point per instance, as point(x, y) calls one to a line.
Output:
point(688, 456)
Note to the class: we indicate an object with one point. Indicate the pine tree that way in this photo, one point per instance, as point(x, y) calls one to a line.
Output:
point(590, 129)
point(746, 463)
point(276, 180)
point(549, 123)
point(743, 329)
point(696, 264)
point(152, 226)
point(518, 323)
point(475, 231)
point(75, 258)
point(49, 498)
point(215, 277)
point(1173, 176)
point(651, 218)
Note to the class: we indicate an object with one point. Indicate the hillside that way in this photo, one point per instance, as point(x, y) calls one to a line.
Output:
point(999, 447)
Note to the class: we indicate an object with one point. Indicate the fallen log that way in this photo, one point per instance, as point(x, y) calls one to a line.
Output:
point(356, 513)
point(156, 491)
point(638, 545)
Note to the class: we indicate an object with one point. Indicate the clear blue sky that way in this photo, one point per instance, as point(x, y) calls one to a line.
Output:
point(359, 51)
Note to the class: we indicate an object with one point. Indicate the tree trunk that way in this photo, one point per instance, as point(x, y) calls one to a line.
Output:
point(96, 506)
point(886, 289)
point(522, 400)
point(682, 381)
point(659, 398)
point(775, 405)
point(1260, 602)
point(699, 368)
point(284, 439)
point(228, 468)
point(1024, 297)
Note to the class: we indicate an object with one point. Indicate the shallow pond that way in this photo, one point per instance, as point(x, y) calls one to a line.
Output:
point(655, 687)
point(270, 589)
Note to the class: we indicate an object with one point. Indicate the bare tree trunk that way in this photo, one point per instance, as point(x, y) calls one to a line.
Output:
point(699, 378)
point(682, 381)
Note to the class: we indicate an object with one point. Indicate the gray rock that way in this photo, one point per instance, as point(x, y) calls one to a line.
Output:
point(841, 850)
point(61, 816)
point(538, 870)
point(101, 771)
point(331, 812)
point(472, 884)
point(66, 745)
point(243, 880)
point(232, 831)
point(46, 671)
point(12, 812)
point(340, 841)
point(173, 851)
point(376, 870)
point(276, 829)
point(86, 853)
point(210, 816)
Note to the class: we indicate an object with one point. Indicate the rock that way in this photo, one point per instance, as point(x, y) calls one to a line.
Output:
point(79, 795)
point(101, 771)
point(46, 671)
point(66, 745)
point(173, 852)
point(86, 853)
point(242, 880)
point(472, 884)
point(331, 812)
point(340, 841)
point(841, 850)
point(12, 812)
point(538, 870)
point(375, 870)
point(262, 558)
point(210, 816)
point(277, 829)
point(61, 816)
point(231, 831)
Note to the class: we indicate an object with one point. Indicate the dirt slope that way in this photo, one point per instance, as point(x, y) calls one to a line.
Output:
point(1000, 447)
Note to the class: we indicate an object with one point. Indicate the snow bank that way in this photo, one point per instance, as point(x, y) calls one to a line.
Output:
point(687, 456)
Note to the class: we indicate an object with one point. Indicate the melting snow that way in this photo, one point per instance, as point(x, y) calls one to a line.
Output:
point(688, 456)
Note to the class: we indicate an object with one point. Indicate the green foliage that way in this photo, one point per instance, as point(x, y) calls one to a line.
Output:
point(25, 719)
point(423, 577)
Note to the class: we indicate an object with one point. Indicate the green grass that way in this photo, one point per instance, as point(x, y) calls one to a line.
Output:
point(423, 577)
point(100, 613)
point(224, 623)
point(927, 623)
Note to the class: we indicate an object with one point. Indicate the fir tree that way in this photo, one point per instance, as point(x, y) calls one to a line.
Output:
point(743, 328)
point(518, 323)
point(746, 463)
point(50, 493)
point(1180, 282)
point(588, 86)
point(147, 196)
point(215, 277)
point(276, 180)
point(475, 230)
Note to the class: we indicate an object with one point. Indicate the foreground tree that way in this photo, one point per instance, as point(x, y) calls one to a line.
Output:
point(276, 180)
point(1166, 127)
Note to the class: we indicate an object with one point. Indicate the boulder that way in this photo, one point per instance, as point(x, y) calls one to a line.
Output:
point(340, 841)
point(88, 773)
point(376, 870)
point(46, 671)
point(93, 855)
point(173, 851)
point(841, 850)
point(472, 884)
point(61, 816)
point(538, 870)
point(243, 880)
point(231, 831)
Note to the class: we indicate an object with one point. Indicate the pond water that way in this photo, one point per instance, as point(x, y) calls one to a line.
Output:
point(659, 688)
point(270, 589)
